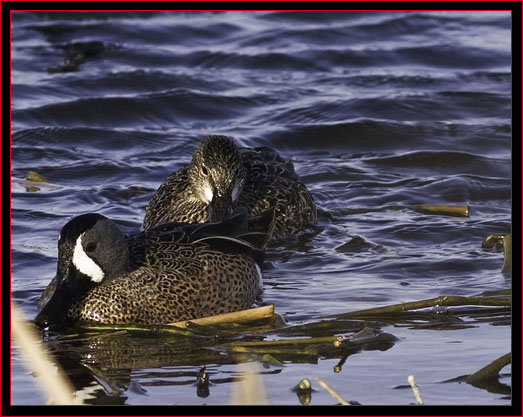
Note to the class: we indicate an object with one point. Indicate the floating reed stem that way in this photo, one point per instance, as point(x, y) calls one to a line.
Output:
point(508, 250)
point(331, 391)
point(442, 210)
point(265, 312)
point(443, 300)
point(438, 209)
point(415, 389)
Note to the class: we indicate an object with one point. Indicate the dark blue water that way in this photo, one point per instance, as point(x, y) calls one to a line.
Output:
point(374, 108)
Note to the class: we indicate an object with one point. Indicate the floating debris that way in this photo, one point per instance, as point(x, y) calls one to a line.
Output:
point(412, 383)
point(331, 391)
point(356, 244)
point(202, 383)
point(507, 264)
point(488, 377)
point(500, 242)
point(442, 210)
point(489, 372)
point(437, 209)
point(33, 182)
point(443, 300)
point(268, 360)
point(252, 314)
point(303, 391)
point(75, 54)
point(34, 176)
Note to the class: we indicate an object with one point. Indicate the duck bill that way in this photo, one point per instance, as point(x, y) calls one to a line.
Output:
point(56, 306)
point(220, 208)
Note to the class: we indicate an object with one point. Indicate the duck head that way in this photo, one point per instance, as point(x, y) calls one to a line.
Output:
point(217, 176)
point(91, 250)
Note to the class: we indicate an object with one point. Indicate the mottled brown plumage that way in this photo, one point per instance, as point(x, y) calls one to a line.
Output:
point(260, 178)
point(174, 272)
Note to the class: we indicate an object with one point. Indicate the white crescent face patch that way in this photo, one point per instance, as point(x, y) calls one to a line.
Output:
point(208, 194)
point(85, 264)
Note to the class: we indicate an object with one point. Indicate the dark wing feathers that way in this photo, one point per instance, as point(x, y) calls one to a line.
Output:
point(234, 246)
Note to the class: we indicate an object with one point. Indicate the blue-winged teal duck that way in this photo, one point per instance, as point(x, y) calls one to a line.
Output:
point(223, 177)
point(168, 273)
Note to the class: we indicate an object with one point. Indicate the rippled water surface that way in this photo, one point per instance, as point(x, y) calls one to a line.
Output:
point(375, 109)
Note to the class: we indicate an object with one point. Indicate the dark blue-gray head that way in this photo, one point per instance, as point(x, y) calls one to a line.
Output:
point(91, 250)
point(217, 175)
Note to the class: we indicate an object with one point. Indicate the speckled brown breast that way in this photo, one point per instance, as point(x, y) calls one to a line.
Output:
point(179, 282)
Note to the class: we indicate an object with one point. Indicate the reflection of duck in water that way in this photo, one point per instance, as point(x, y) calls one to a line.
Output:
point(223, 177)
point(76, 54)
point(106, 367)
point(169, 273)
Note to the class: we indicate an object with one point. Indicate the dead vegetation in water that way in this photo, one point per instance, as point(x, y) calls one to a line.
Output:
point(434, 209)
point(500, 242)
point(258, 335)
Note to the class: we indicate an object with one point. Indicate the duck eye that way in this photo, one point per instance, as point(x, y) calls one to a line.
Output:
point(204, 170)
point(90, 247)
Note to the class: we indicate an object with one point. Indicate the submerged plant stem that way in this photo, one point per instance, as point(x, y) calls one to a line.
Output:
point(288, 342)
point(491, 371)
